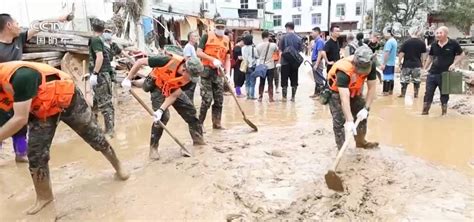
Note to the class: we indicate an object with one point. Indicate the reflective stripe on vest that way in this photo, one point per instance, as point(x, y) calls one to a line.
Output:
point(166, 78)
point(52, 97)
point(217, 47)
point(357, 79)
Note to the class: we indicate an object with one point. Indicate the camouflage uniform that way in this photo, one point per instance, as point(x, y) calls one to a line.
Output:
point(338, 119)
point(79, 117)
point(212, 87)
point(410, 75)
point(103, 90)
point(185, 109)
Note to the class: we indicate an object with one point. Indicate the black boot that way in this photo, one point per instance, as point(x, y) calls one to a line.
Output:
point(416, 88)
point(404, 90)
point(293, 93)
point(426, 108)
point(284, 92)
point(444, 109)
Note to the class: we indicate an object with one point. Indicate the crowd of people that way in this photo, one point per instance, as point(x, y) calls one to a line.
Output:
point(38, 96)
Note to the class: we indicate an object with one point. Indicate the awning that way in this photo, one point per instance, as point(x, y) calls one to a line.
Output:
point(168, 15)
point(192, 21)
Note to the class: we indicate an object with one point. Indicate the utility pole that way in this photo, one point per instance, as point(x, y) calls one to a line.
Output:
point(373, 16)
point(329, 15)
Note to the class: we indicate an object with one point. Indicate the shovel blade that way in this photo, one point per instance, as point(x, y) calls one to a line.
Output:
point(333, 181)
point(254, 127)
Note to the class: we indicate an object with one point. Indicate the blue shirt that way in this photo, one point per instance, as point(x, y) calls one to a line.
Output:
point(391, 48)
point(189, 50)
point(318, 45)
point(290, 39)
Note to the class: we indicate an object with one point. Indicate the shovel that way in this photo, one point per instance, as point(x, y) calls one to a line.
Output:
point(185, 151)
point(333, 181)
point(226, 80)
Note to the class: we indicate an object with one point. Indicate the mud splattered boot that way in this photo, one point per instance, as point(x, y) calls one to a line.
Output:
point(270, 94)
point(44, 193)
point(284, 92)
point(444, 109)
point(416, 89)
point(404, 90)
point(216, 119)
point(110, 155)
point(426, 108)
point(293, 93)
point(364, 144)
point(196, 135)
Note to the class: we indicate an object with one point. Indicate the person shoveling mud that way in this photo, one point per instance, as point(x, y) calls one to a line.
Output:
point(171, 76)
point(346, 100)
point(49, 95)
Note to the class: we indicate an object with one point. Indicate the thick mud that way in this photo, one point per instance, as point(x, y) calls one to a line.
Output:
point(421, 171)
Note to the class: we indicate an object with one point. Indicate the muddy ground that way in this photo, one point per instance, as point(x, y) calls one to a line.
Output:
point(421, 172)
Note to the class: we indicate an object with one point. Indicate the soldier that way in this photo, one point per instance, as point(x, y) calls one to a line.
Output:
point(214, 51)
point(171, 76)
point(346, 78)
point(49, 95)
point(100, 78)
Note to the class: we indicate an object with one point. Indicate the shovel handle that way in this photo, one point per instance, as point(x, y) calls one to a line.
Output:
point(343, 148)
point(150, 111)
point(226, 80)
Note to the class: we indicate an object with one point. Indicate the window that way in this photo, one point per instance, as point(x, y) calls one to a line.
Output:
point(340, 10)
point(276, 4)
point(358, 8)
point(316, 19)
point(260, 4)
point(277, 20)
point(212, 1)
point(296, 3)
point(317, 2)
point(244, 3)
point(296, 19)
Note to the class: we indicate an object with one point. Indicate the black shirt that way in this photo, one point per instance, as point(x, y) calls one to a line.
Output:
point(443, 57)
point(413, 48)
point(237, 52)
point(332, 50)
point(374, 46)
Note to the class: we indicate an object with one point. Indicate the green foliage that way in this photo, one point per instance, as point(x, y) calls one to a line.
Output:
point(402, 11)
point(459, 13)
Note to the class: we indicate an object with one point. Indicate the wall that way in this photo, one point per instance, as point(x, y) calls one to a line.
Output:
point(306, 10)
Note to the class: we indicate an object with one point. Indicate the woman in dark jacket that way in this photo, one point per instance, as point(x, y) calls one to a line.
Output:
point(239, 76)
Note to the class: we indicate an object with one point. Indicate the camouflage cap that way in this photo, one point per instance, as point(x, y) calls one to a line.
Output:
point(363, 59)
point(194, 68)
point(220, 22)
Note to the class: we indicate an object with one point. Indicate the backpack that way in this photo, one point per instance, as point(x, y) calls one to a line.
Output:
point(291, 55)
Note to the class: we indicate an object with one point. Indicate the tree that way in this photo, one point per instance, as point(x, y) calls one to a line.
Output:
point(401, 11)
point(460, 13)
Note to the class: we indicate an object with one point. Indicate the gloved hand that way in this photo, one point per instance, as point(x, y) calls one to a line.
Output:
point(278, 65)
point(157, 115)
point(350, 127)
point(93, 79)
point(363, 114)
point(217, 63)
point(126, 84)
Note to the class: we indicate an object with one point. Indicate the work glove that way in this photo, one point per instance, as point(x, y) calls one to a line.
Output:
point(350, 127)
point(278, 65)
point(217, 63)
point(93, 79)
point(126, 84)
point(363, 114)
point(157, 115)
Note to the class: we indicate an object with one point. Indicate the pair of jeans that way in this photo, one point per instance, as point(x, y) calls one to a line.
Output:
point(250, 86)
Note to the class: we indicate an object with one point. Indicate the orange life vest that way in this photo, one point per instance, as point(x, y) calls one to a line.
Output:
point(217, 47)
point(52, 97)
point(166, 78)
point(357, 79)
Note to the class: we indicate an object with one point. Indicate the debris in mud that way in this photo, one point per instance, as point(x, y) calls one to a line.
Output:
point(303, 145)
point(222, 149)
point(275, 153)
point(232, 217)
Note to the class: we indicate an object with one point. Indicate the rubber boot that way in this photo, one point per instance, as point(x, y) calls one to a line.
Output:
point(44, 193)
point(110, 155)
point(284, 92)
point(20, 146)
point(404, 90)
point(216, 120)
point(416, 89)
point(426, 108)
point(196, 134)
point(270, 94)
point(362, 143)
point(444, 109)
point(315, 95)
point(237, 91)
point(293, 93)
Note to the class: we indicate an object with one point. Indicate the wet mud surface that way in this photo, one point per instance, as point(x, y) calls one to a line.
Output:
point(421, 171)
